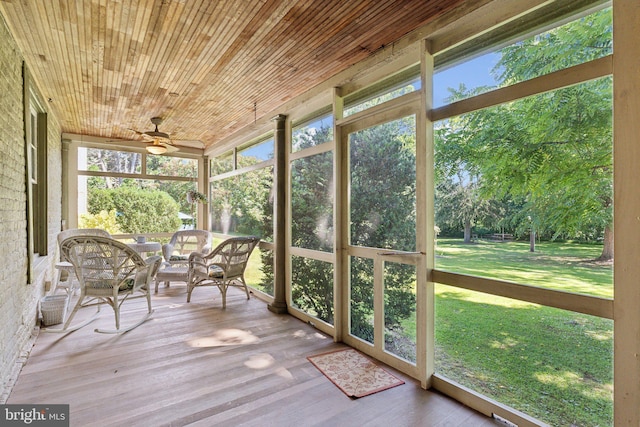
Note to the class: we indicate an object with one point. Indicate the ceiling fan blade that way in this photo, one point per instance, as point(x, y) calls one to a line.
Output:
point(192, 143)
point(170, 147)
point(142, 134)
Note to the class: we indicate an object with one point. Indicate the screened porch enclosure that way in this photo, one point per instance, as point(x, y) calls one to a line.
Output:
point(392, 187)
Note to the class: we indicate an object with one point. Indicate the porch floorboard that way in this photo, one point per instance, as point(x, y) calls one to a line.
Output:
point(196, 364)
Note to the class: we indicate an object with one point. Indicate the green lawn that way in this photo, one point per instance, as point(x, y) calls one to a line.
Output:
point(563, 266)
point(552, 364)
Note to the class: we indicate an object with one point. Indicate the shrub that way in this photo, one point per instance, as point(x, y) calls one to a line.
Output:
point(103, 219)
point(137, 211)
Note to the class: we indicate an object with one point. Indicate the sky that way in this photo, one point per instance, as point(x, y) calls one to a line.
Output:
point(473, 73)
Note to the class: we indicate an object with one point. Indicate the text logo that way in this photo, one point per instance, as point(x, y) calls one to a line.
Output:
point(34, 415)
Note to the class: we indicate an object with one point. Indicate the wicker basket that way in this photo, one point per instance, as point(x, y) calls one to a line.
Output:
point(53, 308)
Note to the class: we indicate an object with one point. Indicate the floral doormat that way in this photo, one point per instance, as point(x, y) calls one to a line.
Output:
point(353, 373)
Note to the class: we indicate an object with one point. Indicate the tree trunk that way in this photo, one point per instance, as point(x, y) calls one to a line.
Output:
point(532, 241)
point(607, 247)
point(467, 231)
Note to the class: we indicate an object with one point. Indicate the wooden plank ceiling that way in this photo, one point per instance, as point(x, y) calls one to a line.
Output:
point(208, 68)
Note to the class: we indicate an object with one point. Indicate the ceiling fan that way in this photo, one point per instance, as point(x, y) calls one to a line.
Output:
point(160, 142)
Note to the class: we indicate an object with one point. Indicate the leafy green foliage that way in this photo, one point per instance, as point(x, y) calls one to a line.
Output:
point(574, 43)
point(173, 166)
point(383, 199)
point(312, 197)
point(312, 227)
point(549, 156)
point(361, 302)
point(130, 163)
point(243, 204)
point(103, 219)
point(137, 211)
point(312, 287)
point(459, 199)
point(383, 186)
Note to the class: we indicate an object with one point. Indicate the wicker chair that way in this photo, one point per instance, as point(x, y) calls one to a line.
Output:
point(66, 279)
point(109, 272)
point(223, 267)
point(176, 254)
point(182, 243)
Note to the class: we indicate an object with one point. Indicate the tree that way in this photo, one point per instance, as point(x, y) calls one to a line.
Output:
point(382, 215)
point(111, 161)
point(174, 166)
point(572, 128)
point(312, 226)
point(312, 200)
point(552, 150)
point(460, 203)
point(459, 199)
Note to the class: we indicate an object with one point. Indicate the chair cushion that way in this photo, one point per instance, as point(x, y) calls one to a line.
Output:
point(126, 285)
point(179, 258)
point(215, 272)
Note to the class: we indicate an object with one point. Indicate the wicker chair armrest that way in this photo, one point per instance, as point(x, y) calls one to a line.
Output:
point(198, 256)
point(198, 263)
point(154, 261)
point(167, 250)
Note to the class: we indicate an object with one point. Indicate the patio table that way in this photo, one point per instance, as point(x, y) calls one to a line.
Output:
point(144, 248)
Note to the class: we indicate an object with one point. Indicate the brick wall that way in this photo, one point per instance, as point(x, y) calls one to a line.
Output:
point(19, 299)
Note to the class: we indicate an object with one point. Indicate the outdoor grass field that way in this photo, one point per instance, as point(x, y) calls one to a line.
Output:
point(552, 364)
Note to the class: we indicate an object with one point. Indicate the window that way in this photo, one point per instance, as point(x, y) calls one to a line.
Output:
point(523, 206)
point(394, 87)
point(222, 163)
point(97, 159)
point(36, 173)
point(573, 43)
point(312, 202)
point(533, 172)
point(312, 132)
point(312, 190)
point(135, 192)
point(255, 152)
point(241, 203)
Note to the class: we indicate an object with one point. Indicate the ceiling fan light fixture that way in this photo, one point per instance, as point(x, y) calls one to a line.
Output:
point(156, 149)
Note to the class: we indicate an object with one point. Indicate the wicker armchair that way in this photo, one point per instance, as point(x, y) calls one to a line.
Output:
point(66, 279)
point(109, 272)
point(182, 243)
point(223, 267)
point(176, 254)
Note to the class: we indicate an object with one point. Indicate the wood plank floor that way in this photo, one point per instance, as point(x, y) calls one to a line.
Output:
point(195, 364)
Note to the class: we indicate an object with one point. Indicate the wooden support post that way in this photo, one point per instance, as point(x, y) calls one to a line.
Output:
point(626, 160)
point(279, 304)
